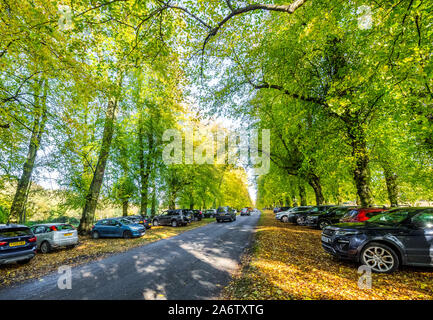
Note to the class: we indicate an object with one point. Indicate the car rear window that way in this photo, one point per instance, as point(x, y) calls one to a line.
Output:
point(15, 232)
point(63, 227)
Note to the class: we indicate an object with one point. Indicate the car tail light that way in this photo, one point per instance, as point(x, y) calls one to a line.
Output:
point(93, 227)
point(3, 243)
point(53, 228)
point(32, 239)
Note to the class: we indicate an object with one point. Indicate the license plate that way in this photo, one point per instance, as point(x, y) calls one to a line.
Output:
point(326, 239)
point(67, 234)
point(18, 243)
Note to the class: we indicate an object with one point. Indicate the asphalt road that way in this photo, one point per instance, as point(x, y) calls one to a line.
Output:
point(196, 264)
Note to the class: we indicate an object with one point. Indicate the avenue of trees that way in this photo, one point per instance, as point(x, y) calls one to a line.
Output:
point(87, 89)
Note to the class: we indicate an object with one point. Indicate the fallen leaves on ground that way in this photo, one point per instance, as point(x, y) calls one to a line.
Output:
point(87, 250)
point(288, 262)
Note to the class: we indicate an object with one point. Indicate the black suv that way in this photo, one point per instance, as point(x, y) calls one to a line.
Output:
point(402, 236)
point(196, 215)
point(301, 217)
point(172, 218)
point(323, 219)
point(225, 214)
point(17, 244)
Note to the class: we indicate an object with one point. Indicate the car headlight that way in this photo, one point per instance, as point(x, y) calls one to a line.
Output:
point(345, 233)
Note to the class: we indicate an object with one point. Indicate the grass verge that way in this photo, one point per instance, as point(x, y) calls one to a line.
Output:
point(86, 251)
point(288, 262)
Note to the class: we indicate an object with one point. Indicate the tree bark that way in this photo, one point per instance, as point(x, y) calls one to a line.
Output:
point(302, 194)
point(19, 201)
point(314, 182)
point(153, 209)
point(391, 184)
point(361, 172)
point(145, 167)
point(92, 196)
point(125, 207)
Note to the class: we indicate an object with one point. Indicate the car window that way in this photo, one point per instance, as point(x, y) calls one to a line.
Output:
point(39, 229)
point(423, 219)
point(15, 232)
point(391, 217)
point(125, 221)
point(62, 227)
point(102, 222)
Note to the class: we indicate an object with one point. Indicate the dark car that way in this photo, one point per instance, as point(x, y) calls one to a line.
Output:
point(117, 227)
point(323, 219)
point(402, 236)
point(361, 214)
point(301, 217)
point(196, 215)
point(246, 211)
point(289, 215)
point(17, 244)
point(140, 220)
point(210, 213)
point(174, 218)
point(225, 214)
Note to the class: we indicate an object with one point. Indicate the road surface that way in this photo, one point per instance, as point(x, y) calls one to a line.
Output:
point(196, 264)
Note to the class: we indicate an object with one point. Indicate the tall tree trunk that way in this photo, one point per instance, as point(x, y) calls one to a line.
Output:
point(145, 168)
point(302, 194)
point(19, 201)
point(288, 202)
point(172, 200)
point(92, 196)
point(391, 184)
point(153, 209)
point(314, 182)
point(191, 202)
point(125, 203)
point(361, 172)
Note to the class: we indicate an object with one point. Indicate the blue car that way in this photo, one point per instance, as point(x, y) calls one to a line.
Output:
point(17, 244)
point(117, 227)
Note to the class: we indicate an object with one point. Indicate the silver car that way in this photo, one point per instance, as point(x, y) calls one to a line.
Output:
point(54, 235)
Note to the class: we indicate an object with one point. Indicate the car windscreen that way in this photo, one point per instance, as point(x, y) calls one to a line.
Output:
point(392, 217)
point(14, 232)
point(222, 209)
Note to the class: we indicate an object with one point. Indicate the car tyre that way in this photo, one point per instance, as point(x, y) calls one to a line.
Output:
point(95, 234)
point(45, 247)
point(323, 223)
point(174, 223)
point(127, 234)
point(155, 223)
point(380, 258)
point(285, 219)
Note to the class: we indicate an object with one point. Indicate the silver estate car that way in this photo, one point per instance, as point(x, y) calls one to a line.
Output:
point(54, 235)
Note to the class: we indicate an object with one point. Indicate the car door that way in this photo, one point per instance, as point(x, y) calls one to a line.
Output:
point(418, 238)
point(114, 228)
point(103, 228)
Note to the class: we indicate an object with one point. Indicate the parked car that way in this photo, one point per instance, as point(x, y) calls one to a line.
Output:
point(54, 235)
point(225, 214)
point(361, 214)
point(174, 218)
point(246, 212)
point(280, 209)
point(323, 219)
point(197, 215)
point(289, 215)
point(402, 236)
point(117, 227)
point(17, 244)
point(301, 217)
point(145, 221)
point(210, 213)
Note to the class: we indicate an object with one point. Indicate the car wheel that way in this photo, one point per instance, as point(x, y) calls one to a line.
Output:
point(323, 224)
point(95, 235)
point(380, 258)
point(155, 223)
point(45, 247)
point(24, 261)
point(174, 223)
point(127, 234)
point(285, 219)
